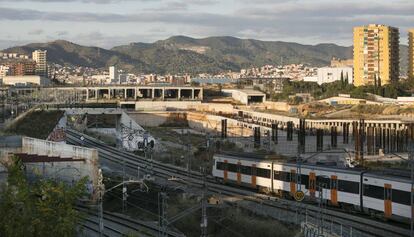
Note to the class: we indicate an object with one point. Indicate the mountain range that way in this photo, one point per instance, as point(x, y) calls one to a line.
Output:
point(181, 54)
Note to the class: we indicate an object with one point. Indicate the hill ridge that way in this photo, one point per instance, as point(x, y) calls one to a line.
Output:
point(180, 53)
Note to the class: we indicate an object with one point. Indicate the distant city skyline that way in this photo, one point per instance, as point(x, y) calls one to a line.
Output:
point(108, 23)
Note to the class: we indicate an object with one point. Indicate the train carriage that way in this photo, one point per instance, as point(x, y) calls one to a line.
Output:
point(386, 194)
point(243, 171)
point(338, 185)
point(350, 188)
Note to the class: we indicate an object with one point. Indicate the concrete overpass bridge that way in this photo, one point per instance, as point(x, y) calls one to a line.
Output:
point(109, 93)
point(266, 119)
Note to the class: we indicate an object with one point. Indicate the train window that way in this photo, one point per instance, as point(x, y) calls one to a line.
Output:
point(401, 197)
point(304, 179)
point(348, 186)
point(285, 176)
point(246, 170)
point(373, 191)
point(265, 173)
point(232, 168)
point(323, 182)
point(220, 165)
point(277, 175)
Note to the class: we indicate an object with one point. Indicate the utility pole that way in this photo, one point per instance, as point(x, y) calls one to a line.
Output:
point(411, 160)
point(162, 211)
point(188, 154)
point(321, 206)
point(101, 192)
point(124, 187)
point(204, 219)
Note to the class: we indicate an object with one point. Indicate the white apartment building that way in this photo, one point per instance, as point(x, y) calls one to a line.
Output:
point(331, 74)
point(4, 70)
point(113, 75)
point(40, 57)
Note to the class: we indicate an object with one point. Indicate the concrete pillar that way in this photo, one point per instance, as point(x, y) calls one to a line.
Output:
point(125, 93)
point(87, 94)
point(192, 94)
point(163, 94)
point(135, 93)
point(179, 94)
point(153, 93)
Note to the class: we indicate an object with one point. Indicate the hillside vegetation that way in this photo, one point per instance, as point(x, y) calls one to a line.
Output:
point(401, 88)
point(181, 54)
point(37, 124)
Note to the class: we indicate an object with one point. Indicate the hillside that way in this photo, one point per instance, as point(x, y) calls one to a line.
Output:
point(184, 54)
point(67, 53)
point(228, 53)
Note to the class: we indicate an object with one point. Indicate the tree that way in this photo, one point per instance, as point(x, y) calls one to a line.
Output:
point(342, 78)
point(346, 79)
point(42, 208)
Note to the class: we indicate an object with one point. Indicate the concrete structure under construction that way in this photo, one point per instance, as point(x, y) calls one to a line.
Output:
point(246, 96)
point(266, 119)
point(114, 93)
point(376, 55)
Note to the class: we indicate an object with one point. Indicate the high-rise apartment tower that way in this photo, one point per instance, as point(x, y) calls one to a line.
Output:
point(39, 56)
point(411, 53)
point(376, 55)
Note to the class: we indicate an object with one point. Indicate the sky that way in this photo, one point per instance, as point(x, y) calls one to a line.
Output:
point(108, 23)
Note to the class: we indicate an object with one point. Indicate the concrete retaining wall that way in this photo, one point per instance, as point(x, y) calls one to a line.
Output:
point(65, 171)
point(165, 105)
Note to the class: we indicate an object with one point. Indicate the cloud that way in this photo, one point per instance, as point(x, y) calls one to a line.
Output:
point(62, 33)
point(65, 1)
point(304, 21)
point(36, 32)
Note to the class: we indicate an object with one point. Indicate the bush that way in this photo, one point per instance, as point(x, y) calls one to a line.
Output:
point(37, 124)
point(42, 208)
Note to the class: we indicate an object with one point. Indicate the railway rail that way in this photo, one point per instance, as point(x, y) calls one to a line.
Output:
point(361, 224)
point(120, 225)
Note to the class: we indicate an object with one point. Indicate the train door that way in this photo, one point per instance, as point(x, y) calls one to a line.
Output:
point(292, 182)
point(312, 184)
point(334, 190)
point(387, 200)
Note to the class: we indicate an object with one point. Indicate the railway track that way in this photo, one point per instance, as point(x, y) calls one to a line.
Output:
point(120, 225)
point(357, 223)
